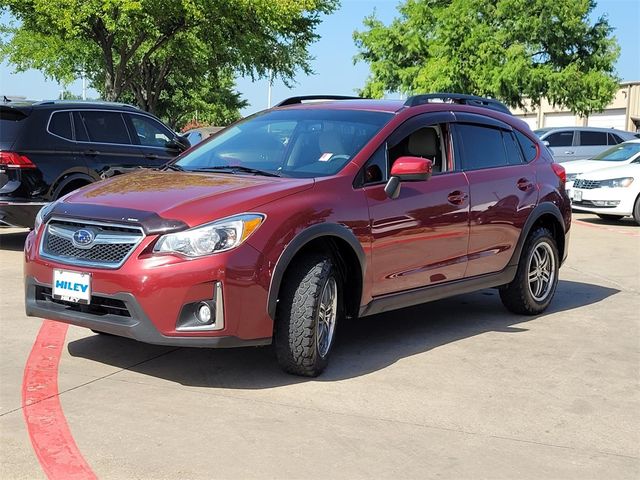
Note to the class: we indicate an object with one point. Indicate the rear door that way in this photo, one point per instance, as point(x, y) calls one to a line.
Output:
point(590, 143)
point(105, 143)
point(502, 190)
point(151, 139)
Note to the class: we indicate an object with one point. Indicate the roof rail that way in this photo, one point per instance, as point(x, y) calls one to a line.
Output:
point(306, 98)
point(458, 98)
point(86, 102)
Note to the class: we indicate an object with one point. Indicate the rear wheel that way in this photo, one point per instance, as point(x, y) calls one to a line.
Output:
point(308, 311)
point(610, 217)
point(535, 282)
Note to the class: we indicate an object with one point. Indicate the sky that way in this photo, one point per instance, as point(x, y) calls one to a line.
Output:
point(334, 71)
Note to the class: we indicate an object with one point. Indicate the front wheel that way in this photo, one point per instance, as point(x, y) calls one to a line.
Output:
point(535, 282)
point(308, 311)
point(636, 211)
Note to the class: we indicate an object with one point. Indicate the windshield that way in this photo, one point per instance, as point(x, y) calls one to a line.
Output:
point(289, 143)
point(619, 153)
point(10, 123)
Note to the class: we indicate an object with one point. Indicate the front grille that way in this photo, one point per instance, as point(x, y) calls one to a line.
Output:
point(99, 306)
point(588, 203)
point(110, 247)
point(586, 184)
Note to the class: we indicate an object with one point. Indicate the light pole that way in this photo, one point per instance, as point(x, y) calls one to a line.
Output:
point(269, 89)
point(84, 85)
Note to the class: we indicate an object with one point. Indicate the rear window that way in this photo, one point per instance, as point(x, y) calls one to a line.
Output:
point(483, 147)
point(60, 125)
point(592, 139)
point(105, 127)
point(10, 124)
point(529, 149)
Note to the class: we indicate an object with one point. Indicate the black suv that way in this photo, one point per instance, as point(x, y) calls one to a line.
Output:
point(48, 149)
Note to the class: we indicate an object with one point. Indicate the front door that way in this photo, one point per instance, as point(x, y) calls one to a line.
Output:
point(420, 238)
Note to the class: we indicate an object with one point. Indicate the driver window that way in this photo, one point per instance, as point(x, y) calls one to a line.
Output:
point(426, 142)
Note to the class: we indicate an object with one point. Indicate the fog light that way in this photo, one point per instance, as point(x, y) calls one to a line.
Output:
point(203, 313)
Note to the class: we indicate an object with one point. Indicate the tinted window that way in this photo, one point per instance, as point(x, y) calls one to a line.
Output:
point(78, 128)
point(592, 138)
point(514, 155)
point(614, 139)
point(10, 123)
point(105, 127)
point(289, 142)
point(482, 147)
point(560, 139)
point(60, 124)
point(149, 132)
point(529, 148)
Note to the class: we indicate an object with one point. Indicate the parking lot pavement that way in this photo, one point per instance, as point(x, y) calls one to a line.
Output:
point(458, 388)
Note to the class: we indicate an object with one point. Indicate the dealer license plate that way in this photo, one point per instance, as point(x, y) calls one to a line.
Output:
point(577, 195)
point(72, 286)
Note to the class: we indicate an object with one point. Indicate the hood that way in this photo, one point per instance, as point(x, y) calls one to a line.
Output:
point(191, 198)
point(581, 166)
point(628, 170)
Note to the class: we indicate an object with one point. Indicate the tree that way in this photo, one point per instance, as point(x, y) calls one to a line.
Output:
point(506, 49)
point(151, 51)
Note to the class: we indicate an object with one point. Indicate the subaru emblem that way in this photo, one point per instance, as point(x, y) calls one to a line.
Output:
point(83, 238)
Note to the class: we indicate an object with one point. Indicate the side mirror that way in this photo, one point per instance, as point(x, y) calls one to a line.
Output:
point(179, 143)
point(407, 169)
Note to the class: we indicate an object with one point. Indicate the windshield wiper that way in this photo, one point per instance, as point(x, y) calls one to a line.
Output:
point(236, 168)
point(172, 166)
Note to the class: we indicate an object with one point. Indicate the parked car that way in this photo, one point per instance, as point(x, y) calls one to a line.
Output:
point(579, 143)
point(622, 154)
point(197, 135)
point(300, 217)
point(611, 193)
point(50, 148)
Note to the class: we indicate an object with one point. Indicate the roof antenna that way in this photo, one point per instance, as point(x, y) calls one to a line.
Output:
point(5, 99)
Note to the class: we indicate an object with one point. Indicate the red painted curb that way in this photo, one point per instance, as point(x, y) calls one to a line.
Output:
point(50, 436)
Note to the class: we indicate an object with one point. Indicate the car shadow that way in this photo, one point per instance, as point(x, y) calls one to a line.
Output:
point(622, 222)
point(362, 346)
point(12, 239)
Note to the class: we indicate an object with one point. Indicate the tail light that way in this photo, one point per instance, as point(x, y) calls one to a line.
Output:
point(559, 171)
point(15, 160)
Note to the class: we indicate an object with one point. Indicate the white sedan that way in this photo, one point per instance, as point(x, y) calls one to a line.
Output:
point(611, 193)
point(621, 154)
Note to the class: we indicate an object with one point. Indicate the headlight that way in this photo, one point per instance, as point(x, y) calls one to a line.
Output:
point(218, 236)
point(616, 182)
point(40, 216)
point(571, 177)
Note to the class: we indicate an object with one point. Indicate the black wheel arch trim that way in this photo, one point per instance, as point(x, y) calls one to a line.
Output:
point(534, 216)
point(69, 178)
point(299, 241)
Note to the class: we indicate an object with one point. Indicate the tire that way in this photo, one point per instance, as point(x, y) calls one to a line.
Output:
point(301, 347)
point(636, 211)
point(531, 298)
point(612, 218)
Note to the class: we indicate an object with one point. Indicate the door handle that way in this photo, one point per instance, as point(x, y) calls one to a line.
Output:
point(91, 153)
point(524, 184)
point(569, 152)
point(151, 156)
point(457, 197)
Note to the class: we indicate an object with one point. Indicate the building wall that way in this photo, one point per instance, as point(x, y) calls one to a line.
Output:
point(622, 113)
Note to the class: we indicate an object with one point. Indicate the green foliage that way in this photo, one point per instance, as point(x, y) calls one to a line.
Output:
point(169, 57)
point(506, 49)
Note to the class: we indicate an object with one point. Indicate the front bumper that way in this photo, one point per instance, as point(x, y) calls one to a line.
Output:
point(625, 196)
point(19, 214)
point(154, 290)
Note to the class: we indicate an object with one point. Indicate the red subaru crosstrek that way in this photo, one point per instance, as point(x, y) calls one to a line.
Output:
point(300, 217)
